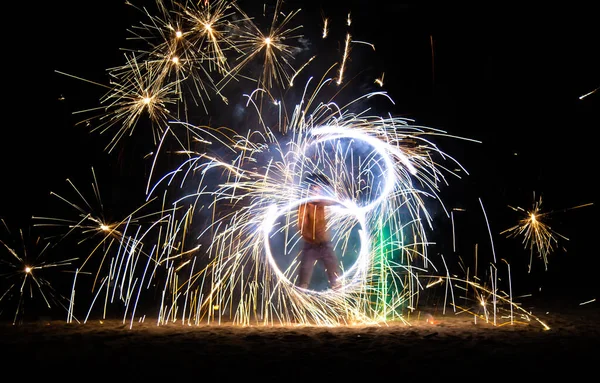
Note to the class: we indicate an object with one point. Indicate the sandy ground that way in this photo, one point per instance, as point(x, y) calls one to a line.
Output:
point(449, 346)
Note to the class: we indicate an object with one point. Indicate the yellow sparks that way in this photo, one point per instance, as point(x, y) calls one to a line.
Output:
point(273, 48)
point(210, 32)
point(589, 93)
point(344, 58)
point(440, 280)
point(379, 81)
point(537, 235)
point(29, 254)
point(299, 70)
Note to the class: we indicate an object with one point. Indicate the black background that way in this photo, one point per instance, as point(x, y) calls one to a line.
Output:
point(508, 76)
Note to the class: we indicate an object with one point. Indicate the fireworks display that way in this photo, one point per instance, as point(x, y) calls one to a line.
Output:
point(216, 236)
point(536, 234)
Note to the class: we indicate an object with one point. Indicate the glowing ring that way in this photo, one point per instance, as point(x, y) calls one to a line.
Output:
point(360, 266)
point(355, 271)
point(334, 132)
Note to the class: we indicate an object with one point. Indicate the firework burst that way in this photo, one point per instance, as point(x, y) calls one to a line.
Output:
point(535, 231)
point(173, 54)
point(27, 270)
point(273, 47)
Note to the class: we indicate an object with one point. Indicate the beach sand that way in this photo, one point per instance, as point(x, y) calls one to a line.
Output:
point(431, 345)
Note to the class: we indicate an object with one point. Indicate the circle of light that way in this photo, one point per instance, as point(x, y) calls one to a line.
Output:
point(360, 265)
point(331, 132)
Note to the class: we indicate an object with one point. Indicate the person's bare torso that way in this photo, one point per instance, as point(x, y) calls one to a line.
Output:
point(313, 224)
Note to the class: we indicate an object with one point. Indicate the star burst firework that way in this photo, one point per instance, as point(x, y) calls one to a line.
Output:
point(27, 270)
point(224, 244)
point(535, 231)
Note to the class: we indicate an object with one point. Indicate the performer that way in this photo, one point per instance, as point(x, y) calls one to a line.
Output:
point(317, 240)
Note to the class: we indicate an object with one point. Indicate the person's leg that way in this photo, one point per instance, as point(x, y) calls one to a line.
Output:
point(307, 264)
point(332, 267)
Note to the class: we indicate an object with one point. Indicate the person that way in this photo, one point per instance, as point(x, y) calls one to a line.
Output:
point(317, 239)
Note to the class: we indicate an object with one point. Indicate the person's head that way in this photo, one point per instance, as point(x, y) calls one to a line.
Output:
point(315, 189)
point(317, 183)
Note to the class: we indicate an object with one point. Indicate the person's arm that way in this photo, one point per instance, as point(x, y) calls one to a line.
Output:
point(325, 202)
point(327, 191)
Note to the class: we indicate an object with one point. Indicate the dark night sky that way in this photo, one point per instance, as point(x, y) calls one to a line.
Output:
point(508, 76)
